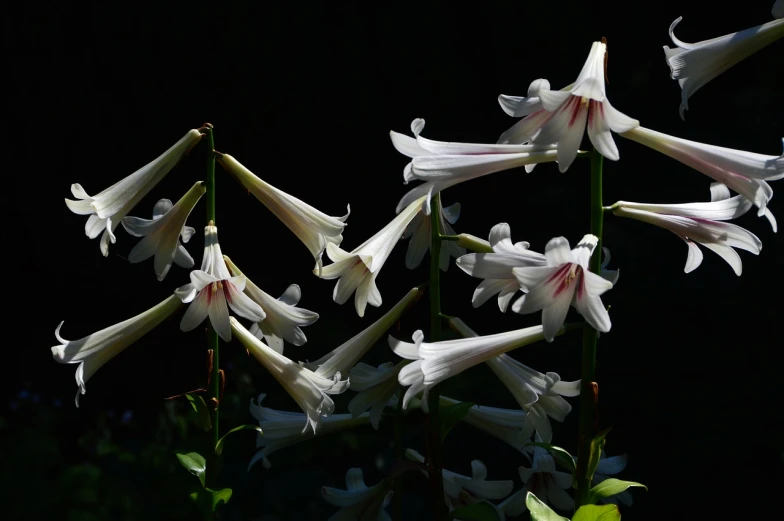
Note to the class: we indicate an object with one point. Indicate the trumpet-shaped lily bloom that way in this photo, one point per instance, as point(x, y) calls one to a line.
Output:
point(108, 208)
point(437, 361)
point(701, 223)
point(443, 164)
point(695, 64)
point(539, 395)
point(376, 387)
point(211, 288)
point(345, 356)
point(461, 491)
point(359, 502)
point(314, 228)
point(283, 428)
point(308, 389)
point(94, 350)
point(563, 282)
point(546, 483)
point(357, 270)
point(560, 116)
point(746, 173)
point(283, 318)
point(504, 424)
point(162, 233)
point(419, 232)
point(496, 268)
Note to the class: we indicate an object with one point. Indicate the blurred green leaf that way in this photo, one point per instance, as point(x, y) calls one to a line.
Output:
point(219, 445)
point(482, 511)
point(540, 511)
point(450, 415)
point(195, 464)
point(566, 459)
point(610, 487)
point(597, 513)
point(202, 411)
point(208, 500)
point(597, 444)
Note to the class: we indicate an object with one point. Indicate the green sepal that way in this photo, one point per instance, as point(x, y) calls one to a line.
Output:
point(563, 457)
point(194, 463)
point(539, 511)
point(202, 411)
point(610, 487)
point(597, 513)
point(219, 445)
point(450, 415)
point(481, 511)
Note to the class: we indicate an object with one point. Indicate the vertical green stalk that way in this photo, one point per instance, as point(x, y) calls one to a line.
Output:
point(397, 498)
point(434, 430)
point(212, 335)
point(590, 340)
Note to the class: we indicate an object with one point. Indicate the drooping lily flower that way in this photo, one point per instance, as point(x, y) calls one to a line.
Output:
point(94, 350)
point(282, 429)
point(563, 282)
point(546, 483)
point(560, 116)
point(314, 228)
point(376, 387)
point(283, 319)
point(461, 491)
point(744, 172)
point(539, 395)
point(419, 232)
point(211, 288)
point(162, 233)
point(359, 502)
point(357, 270)
point(695, 64)
point(504, 424)
point(308, 389)
point(345, 356)
point(437, 361)
point(443, 164)
point(701, 223)
point(108, 208)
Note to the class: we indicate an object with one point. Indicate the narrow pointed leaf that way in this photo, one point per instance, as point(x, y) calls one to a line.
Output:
point(219, 445)
point(194, 462)
point(208, 500)
point(597, 513)
point(610, 487)
point(540, 511)
point(597, 444)
point(202, 411)
point(561, 455)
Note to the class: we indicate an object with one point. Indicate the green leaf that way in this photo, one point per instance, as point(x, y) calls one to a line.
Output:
point(450, 415)
point(566, 459)
point(208, 500)
point(597, 513)
point(610, 487)
point(195, 464)
point(540, 511)
point(219, 445)
point(597, 444)
point(202, 411)
point(481, 511)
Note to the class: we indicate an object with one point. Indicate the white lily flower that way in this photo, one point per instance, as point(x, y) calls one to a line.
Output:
point(359, 502)
point(282, 429)
point(162, 232)
point(539, 395)
point(504, 424)
point(358, 269)
point(308, 389)
point(211, 288)
point(546, 483)
point(315, 229)
point(283, 319)
point(563, 282)
point(94, 350)
point(744, 172)
point(560, 116)
point(460, 491)
point(496, 268)
point(695, 64)
point(108, 208)
point(436, 361)
point(701, 223)
point(443, 164)
point(778, 9)
point(345, 356)
point(376, 387)
point(419, 232)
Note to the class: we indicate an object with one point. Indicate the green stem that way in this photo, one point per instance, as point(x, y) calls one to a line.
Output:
point(397, 498)
point(434, 431)
point(212, 335)
point(590, 341)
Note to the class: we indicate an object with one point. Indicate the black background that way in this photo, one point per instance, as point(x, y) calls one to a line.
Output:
point(305, 96)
